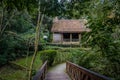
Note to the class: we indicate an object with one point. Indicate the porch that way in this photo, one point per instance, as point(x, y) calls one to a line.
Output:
point(71, 38)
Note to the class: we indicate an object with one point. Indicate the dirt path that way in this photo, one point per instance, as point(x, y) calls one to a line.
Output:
point(57, 73)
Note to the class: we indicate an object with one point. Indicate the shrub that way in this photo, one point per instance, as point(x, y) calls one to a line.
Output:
point(62, 57)
point(48, 55)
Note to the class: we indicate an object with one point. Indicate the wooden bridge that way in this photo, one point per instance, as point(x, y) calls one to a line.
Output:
point(73, 72)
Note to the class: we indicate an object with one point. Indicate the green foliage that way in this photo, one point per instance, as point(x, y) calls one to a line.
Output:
point(10, 49)
point(22, 22)
point(88, 59)
point(66, 53)
point(26, 62)
point(8, 73)
point(17, 20)
point(95, 61)
point(62, 56)
point(48, 55)
point(12, 73)
point(3, 59)
point(104, 24)
point(76, 9)
point(12, 44)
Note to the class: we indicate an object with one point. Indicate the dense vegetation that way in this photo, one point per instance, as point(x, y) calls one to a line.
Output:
point(48, 55)
point(88, 58)
point(18, 70)
point(23, 23)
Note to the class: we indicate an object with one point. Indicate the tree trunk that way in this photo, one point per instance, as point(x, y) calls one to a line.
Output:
point(37, 36)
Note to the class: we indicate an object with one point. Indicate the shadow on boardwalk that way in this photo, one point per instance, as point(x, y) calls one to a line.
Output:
point(57, 73)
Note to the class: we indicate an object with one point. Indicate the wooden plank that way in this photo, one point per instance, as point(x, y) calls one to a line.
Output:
point(55, 76)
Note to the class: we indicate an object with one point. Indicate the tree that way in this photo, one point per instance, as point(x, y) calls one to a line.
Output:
point(41, 11)
point(104, 20)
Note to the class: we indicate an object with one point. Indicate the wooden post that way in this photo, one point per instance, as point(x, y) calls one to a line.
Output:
point(61, 38)
point(53, 37)
point(70, 37)
point(79, 38)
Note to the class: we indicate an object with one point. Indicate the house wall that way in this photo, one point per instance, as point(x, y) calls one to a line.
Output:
point(57, 37)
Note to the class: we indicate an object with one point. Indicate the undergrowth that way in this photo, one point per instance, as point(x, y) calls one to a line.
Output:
point(11, 73)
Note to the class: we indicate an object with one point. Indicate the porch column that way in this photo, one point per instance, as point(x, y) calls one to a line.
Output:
point(79, 38)
point(61, 38)
point(52, 37)
point(70, 37)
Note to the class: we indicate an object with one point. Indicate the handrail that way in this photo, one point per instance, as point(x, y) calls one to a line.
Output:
point(66, 40)
point(40, 75)
point(79, 73)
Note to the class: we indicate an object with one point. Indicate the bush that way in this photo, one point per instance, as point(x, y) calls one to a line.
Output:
point(62, 57)
point(48, 55)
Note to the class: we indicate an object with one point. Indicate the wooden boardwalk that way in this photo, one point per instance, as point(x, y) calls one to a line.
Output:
point(57, 73)
point(76, 73)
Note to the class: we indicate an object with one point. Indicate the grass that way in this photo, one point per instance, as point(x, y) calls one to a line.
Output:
point(9, 73)
point(27, 61)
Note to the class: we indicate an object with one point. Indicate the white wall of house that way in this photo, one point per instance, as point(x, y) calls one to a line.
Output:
point(57, 37)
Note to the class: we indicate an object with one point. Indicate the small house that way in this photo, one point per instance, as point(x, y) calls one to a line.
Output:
point(68, 31)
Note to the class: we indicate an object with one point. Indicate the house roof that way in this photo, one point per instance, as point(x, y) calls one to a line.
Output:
point(69, 26)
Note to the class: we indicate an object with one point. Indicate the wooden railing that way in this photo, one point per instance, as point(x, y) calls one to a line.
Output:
point(79, 73)
point(66, 40)
point(40, 75)
point(75, 40)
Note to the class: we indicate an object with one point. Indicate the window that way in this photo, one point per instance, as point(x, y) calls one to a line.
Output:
point(66, 37)
point(75, 37)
